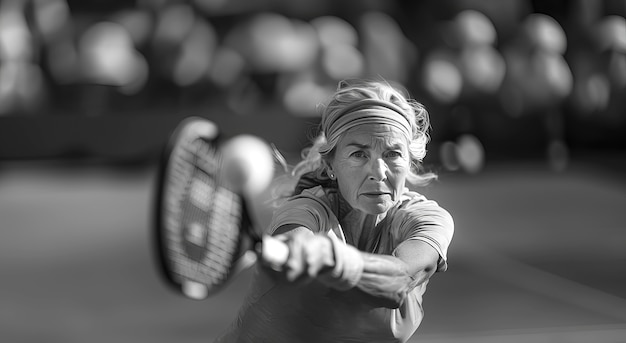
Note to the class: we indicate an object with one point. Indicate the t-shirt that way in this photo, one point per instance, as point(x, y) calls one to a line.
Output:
point(275, 311)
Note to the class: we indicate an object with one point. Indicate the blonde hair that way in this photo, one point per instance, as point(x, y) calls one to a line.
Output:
point(315, 158)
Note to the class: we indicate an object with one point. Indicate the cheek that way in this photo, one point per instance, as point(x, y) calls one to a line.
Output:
point(399, 175)
point(400, 168)
point(348, 170)
point(348, 185)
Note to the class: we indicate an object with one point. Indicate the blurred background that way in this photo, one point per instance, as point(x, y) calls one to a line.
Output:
point(528, 108)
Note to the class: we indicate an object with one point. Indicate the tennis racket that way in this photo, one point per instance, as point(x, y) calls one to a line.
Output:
point(204, 232)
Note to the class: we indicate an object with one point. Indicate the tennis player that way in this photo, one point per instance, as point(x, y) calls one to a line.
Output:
point(362, 245)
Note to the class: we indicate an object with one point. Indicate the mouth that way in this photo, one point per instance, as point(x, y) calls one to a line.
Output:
point(375, 194)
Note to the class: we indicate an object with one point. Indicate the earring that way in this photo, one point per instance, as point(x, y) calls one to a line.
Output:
point(331, 175)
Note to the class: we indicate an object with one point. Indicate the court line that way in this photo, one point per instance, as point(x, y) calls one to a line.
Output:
point(585, 334)
point(501, 267)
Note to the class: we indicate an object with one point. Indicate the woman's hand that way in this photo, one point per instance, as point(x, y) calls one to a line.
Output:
point(309, 255)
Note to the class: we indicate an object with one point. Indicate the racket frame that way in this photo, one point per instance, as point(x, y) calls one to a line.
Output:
point(185, 282)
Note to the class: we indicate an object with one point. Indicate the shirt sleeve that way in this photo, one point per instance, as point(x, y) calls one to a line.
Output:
point(424, 220)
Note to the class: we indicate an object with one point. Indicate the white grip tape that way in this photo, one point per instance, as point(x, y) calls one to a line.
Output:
point(194, 290)
point(274, 252)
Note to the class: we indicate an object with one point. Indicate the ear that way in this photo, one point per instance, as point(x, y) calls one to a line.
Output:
point(329, 170)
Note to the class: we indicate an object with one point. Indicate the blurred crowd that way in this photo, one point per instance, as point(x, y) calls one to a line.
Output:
point(475, 62)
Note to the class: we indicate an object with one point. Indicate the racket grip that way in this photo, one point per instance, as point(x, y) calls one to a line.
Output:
point(274, 252)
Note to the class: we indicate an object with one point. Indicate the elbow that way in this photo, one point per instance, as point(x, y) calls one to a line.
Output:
point(391, 300)
point(395, 300)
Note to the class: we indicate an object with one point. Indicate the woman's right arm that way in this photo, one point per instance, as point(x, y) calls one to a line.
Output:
point(383, 279)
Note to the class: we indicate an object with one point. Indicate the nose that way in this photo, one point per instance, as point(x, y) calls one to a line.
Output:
point(378, 170)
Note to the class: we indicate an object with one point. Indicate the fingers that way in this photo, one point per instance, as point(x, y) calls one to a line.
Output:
point(308, 256)
point(296, 262)
point(319, 255)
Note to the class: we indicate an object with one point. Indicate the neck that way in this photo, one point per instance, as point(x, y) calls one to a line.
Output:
point(359, 227)
point(344, 208)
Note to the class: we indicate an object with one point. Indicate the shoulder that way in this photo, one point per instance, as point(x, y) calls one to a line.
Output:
point(312, 208)
point(409, 197)
point(422, 219)
point(314, 192)
point(415, 207)
point(412, 200)
point(317, 194)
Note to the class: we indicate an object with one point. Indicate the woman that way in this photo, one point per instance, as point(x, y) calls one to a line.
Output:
point(362, 246)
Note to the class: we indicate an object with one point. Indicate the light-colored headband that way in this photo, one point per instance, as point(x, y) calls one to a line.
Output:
point(368, 111)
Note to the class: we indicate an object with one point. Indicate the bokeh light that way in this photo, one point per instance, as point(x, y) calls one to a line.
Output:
point(108, 57)
point(502, 63)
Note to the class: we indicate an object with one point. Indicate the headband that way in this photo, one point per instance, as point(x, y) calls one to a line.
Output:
point(368, 111)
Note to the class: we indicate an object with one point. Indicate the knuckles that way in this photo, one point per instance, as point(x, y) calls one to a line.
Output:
point(308, 255)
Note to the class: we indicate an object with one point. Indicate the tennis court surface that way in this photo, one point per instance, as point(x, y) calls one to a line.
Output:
point(538, 256)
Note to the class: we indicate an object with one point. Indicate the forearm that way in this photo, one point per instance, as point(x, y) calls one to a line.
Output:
point(383, 279)
point(387, 280)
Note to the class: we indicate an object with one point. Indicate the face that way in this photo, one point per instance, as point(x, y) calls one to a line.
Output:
point(371, 163)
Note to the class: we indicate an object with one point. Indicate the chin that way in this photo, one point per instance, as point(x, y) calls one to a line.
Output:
point(377, 208)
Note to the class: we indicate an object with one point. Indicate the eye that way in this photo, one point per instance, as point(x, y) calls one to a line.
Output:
point(358, 154)
point(394, 154)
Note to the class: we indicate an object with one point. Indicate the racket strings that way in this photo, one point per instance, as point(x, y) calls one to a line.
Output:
point(205, 215)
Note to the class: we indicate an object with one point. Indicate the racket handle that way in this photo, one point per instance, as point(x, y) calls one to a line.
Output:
point(273, 252)
point(194, 290)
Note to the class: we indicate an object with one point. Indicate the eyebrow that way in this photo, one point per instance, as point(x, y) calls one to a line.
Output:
point(367, 146)
point(358, 145)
